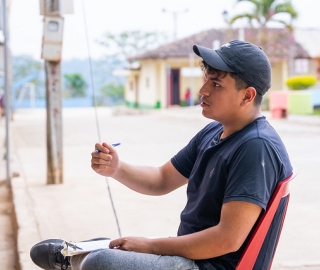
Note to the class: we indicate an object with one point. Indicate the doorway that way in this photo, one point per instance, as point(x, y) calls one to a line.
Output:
point(175, 87)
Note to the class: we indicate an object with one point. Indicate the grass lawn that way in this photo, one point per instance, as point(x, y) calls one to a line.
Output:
point(316, 111)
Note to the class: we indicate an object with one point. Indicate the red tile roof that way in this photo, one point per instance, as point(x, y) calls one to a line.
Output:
point(277, 45)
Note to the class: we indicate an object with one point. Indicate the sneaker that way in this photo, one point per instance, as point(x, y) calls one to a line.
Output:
point(47, 254)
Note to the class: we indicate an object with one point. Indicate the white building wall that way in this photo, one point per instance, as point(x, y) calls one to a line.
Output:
point(147, 84)
point(129, 93)
point(162, 84)
point(279, 75)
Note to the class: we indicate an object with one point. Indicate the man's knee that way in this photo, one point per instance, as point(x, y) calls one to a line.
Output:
point(96, 260)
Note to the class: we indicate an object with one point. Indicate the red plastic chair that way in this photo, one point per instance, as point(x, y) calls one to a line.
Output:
point(252, 250)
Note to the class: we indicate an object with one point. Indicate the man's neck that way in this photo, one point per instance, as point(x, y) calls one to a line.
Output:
point(238, 124)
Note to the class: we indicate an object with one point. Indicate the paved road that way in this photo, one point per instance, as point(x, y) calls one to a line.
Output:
point(80, 208)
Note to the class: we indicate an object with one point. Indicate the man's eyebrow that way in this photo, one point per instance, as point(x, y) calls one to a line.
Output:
point(214, 78)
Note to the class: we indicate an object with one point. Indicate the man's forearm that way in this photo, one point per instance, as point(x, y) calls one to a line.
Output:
point(150, 180)
point(196, 246)
point(143, 179)
point(206, 244)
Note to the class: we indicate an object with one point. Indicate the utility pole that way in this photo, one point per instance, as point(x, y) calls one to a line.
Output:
point(7, 84)
point(175, 21)
point(54, 123)
point(51, 53)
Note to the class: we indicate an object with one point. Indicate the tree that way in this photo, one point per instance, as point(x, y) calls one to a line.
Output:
point(120, 47)
point(265, 11)
point(129, 43)
point(26, 69)
point(75, 85)
point(24, 65)
point(114, 92)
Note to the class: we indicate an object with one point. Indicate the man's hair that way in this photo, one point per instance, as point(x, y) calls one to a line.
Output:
point(239, 82)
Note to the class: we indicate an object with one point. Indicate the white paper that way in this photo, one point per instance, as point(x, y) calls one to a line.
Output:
point(74, 248)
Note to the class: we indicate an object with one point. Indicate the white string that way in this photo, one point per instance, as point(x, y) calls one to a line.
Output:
point(96, 113)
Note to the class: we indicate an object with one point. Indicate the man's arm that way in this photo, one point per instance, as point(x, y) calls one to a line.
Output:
point(237, 220)
point(143, 179)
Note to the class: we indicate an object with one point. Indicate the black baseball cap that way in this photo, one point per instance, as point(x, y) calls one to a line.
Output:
point(243, 58)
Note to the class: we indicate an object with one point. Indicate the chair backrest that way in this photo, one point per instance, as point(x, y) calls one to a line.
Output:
point(252, 250)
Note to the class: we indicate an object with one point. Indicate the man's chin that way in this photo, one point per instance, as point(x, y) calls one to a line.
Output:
point(207, 115)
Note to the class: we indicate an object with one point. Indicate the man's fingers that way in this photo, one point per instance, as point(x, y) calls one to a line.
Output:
point(100, 156)
point(99, 167)
point(101, 148)
point(116, 243)
point(100, 161)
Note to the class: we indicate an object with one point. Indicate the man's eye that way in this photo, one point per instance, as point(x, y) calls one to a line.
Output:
point(216, 84)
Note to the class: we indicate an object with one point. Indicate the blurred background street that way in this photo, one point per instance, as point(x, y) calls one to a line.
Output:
point(133, 61)
point(80, 208)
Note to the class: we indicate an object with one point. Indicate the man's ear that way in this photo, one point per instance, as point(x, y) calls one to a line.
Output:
point(249, 95)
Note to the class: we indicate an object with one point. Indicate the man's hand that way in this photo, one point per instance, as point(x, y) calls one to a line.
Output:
point(137, 244)
point(106, 162)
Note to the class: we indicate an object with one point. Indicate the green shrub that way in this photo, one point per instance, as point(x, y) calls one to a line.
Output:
point(301, 82)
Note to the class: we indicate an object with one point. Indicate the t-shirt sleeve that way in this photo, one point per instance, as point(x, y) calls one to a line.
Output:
point(184, 160)
point(253, 173)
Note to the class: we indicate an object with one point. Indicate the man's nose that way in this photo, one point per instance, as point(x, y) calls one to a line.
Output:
point(204, 89)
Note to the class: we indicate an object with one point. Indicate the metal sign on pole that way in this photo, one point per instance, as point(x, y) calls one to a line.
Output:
point(56, 7)
point(52, 38)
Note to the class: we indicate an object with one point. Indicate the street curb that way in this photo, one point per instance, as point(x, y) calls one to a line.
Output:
point(27, 228)
point(302, 264)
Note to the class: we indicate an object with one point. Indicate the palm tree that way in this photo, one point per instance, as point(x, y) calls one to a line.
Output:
point(264, 12)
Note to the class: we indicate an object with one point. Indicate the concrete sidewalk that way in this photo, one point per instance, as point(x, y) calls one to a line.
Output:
point(81, 209)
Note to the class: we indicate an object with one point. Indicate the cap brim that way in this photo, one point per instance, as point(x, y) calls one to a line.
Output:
point(211, 58)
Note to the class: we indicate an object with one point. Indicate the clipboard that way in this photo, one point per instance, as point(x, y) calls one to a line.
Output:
point(74, 248)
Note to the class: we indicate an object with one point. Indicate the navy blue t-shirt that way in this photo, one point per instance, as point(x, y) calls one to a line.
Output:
point(246, 166)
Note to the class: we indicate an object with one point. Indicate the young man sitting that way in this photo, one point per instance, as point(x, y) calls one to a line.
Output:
point(231, 168)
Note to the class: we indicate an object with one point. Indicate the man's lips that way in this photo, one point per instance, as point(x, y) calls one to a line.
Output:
point(203, 102)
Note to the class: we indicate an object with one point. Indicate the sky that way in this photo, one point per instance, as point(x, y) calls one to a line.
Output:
point(96, 17)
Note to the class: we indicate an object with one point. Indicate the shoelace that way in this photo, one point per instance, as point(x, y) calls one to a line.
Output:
point(60, 259)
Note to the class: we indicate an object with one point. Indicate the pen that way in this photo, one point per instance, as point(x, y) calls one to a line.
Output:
point(113, 144)
point(74, 246)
